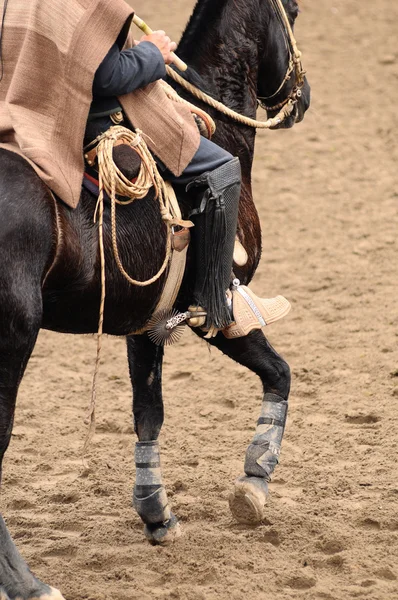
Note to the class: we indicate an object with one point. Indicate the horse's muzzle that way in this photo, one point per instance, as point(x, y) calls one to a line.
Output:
point(304, 101)
point(300, 108)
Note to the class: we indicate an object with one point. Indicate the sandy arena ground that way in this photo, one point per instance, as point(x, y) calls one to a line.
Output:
point(327, 193)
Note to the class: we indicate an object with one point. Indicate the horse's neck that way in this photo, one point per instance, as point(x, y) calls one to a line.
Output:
point(220, 43)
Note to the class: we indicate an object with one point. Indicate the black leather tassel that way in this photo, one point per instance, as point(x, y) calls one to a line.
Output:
point(215, 218)
point(212, 294)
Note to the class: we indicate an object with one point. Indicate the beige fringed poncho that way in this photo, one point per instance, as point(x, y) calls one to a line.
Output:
point(51, 51)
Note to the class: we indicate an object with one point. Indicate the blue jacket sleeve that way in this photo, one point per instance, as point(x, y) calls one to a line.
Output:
point(122, 72)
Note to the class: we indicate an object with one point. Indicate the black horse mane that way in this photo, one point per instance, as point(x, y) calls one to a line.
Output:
point(206, 19)
point(205, 11)
point(211, 21)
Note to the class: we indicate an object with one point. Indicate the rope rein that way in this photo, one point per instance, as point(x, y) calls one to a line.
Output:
point(197, 93)
point(90, 419)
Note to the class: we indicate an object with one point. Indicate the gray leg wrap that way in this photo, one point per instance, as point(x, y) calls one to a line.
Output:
point(150, 498)
point(263, 453)
point(215, 218)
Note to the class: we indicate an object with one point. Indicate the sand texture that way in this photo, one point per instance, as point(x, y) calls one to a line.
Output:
point(327, 193)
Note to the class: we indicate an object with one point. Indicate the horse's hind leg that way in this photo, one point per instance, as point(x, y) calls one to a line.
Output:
point(254, 352)
point(150, 498)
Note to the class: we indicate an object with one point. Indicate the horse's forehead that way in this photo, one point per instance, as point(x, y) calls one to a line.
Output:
point(291, 5)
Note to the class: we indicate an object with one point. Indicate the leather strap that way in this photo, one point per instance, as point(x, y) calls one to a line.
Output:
point(177, 262)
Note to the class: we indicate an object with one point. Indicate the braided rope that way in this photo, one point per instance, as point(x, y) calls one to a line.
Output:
point(286, 110)
point(90, 419)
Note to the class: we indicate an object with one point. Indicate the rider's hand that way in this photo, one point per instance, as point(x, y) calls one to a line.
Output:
point(163, 42)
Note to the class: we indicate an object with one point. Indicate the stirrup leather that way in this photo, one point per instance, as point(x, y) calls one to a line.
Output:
point(251, 312)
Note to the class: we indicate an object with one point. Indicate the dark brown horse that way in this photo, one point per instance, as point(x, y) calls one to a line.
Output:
point(49, 272)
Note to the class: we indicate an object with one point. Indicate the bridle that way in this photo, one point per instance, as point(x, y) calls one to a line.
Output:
point(285, 108)
point(295, 64)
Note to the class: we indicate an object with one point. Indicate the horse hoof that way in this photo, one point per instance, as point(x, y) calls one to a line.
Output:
point(163, 534)
point(248, 500)
point(51, 594)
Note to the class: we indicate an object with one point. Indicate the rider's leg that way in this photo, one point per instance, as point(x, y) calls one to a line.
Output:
point(208, 157)
point(213, 180)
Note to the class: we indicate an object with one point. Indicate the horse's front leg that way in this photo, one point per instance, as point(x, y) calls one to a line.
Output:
point(248, 499)
point(150, 498)
point(20, 318)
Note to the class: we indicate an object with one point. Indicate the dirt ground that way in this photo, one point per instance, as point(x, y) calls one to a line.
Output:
point(327, 193)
